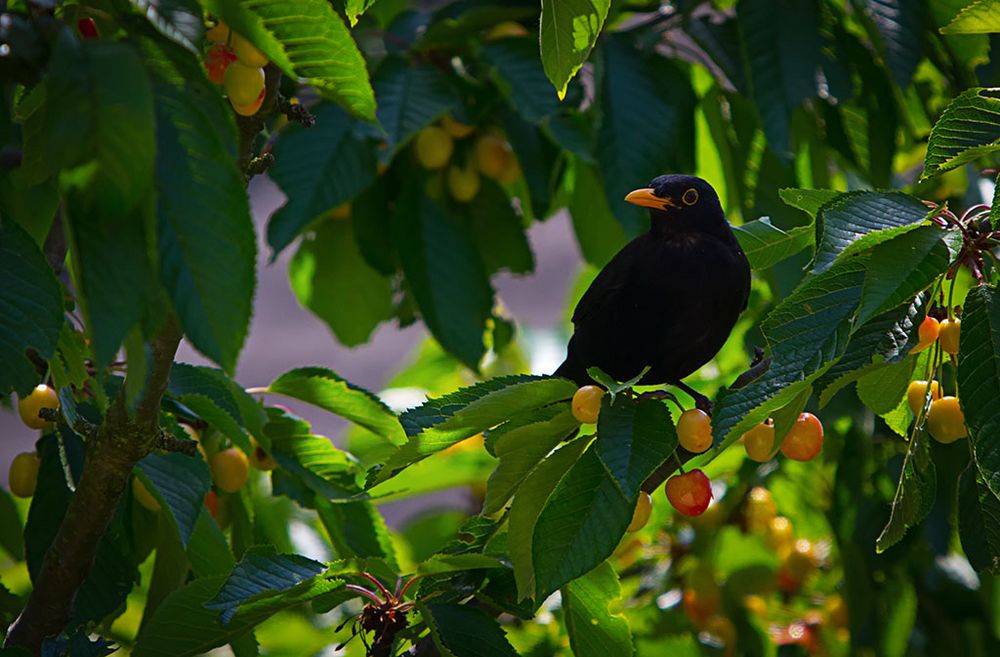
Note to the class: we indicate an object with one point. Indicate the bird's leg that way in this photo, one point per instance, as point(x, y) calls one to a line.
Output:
point(701, 402)
point(662, 394)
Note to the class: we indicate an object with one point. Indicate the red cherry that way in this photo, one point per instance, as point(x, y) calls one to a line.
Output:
point(690, 492)
point(212, 503)
point(805, 440)
point(87, 28)
point(217, 60)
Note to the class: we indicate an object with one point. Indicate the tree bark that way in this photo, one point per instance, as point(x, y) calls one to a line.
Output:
point(120, 443)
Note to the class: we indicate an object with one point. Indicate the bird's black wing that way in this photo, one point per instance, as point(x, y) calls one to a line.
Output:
point(612, 280)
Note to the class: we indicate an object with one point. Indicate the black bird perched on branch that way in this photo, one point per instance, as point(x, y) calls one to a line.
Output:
point(669, 298)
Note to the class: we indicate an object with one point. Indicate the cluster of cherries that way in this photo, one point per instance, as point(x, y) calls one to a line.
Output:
point(238, 66)
point(230, 466)
point(944, 416)
point(691, 492)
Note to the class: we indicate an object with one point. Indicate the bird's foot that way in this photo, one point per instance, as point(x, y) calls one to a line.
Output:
point(701, 402)
point(662, 394)
point(758, 356)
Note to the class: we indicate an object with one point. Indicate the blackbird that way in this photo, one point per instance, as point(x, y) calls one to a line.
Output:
point(669, 298)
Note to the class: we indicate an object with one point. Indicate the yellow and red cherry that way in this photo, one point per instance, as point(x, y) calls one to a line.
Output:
point(493, 156)
point(41, 397)
point(927, 333)
point(759, 441)
point(694, 430)
point(230, 469)
point(143, 496)
point(252, 108)
point(247, 53)
point(946, 421)
point(805, 439)
point(22, 478)
point(587, 404)
point(217, 60)
point(643, 509)
point(433, 147)
point(87, 28)
point(242, 84)
point(219, 33)
point(916, 394)
point(463, 183)
point(949, 334)
point(690, 493)
point(455, 128)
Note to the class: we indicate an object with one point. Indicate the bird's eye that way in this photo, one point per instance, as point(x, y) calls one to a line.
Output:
point(690, 196)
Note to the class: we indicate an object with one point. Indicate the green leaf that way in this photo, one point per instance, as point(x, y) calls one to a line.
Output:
point(633, 439)
point(97, 112)
point(11, 527)
point(979, 379)
point(444, 273)
point(181, 482)
point(904, 266)
point(31, 309)
point(786, 59)
point(325, 389)
point(981, 17)
point(857, 221)
point(765, 245)
point(499, 231)
point(594, 631)
point(521, 444)
point(640, 91)
point(808, 200)
point(357, 529)
point(519, 73)
point(207, 246)
point(529, 501)
point(329, 472)
point(31, 205)
point(915, 493)
point(330, 277)
point(967, 130)
point(354, 8)
point(598, 233)
point(883, 340)
point(979, 521)
point(464, 631)
point(309, 42)
point(179, 20)
point(568, 30)
point(210, 393)
point(184, 627)
point(208, 550)
point(318, 169)
point(114, 275)
point(586, 515)
point(806, 332)
point(410, 97)
point(440, 423)
point(883, 388)
point(261, 570)
point(901, 26)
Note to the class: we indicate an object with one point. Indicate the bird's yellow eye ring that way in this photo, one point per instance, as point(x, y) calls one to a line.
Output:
point(690, 196)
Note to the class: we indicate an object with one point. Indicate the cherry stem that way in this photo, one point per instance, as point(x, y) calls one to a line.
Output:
point(365, 592)
point(374, 580)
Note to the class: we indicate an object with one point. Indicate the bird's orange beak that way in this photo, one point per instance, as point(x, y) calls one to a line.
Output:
point(647, 198)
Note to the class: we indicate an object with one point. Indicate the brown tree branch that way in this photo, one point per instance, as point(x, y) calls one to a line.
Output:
point(112, 453)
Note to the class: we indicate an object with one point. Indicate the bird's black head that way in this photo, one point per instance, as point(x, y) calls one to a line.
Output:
point(680, 203)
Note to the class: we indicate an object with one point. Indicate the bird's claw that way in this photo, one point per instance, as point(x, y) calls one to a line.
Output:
point(703, 403)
